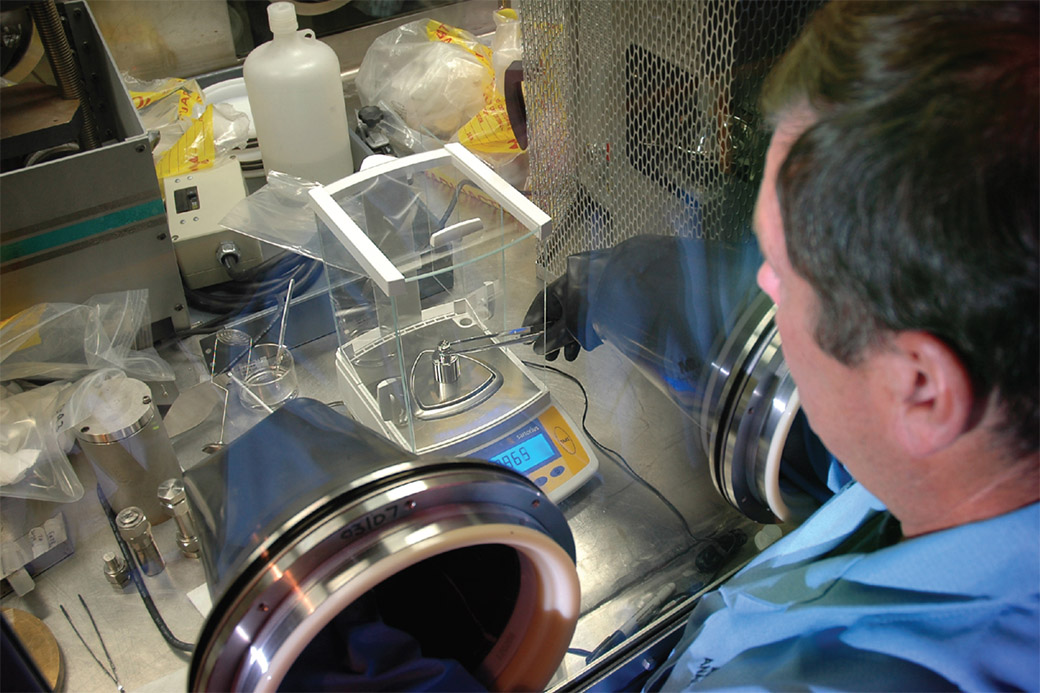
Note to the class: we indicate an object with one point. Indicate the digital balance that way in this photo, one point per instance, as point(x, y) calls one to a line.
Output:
point(430, 262)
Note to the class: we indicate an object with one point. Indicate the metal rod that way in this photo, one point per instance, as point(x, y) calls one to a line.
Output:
point(223, 416)
point(75, 630)
point(285, 313)
point(63, 64)
point(112, 664)
point(523, 339)
point(525, 329)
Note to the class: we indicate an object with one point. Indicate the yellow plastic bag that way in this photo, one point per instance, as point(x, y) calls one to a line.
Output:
point(200, 134)
point(163, 101)
point(195, 149)
point(489, 131)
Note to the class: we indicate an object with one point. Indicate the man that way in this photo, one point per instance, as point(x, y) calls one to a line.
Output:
point(898, 220)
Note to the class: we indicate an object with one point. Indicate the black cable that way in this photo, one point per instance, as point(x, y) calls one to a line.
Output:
point(270, 272)
point(263, 278)
point(260, 288)
point(613, 454)
point(142, 589)
point(230, 262)
point(253, 295)
point(455, 199)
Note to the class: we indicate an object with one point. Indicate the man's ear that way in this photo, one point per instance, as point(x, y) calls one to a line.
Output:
point(934, 398)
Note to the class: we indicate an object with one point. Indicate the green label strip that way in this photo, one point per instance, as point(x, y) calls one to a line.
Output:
point(80, 231)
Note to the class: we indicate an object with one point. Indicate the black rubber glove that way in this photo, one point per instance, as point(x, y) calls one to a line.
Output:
point(661, 301)
point(564, 308)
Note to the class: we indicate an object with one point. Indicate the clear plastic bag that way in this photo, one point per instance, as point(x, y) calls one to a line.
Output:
point(431, 74)
point(33, 453)
point(86, 399)
point(192, 135)
point(404, 139)
point(278, 214)
point(65, 341)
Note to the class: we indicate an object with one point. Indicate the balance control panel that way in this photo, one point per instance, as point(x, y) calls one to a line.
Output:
point(549, 450)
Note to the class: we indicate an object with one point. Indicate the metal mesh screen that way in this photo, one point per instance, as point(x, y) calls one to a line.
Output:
point(643, 118)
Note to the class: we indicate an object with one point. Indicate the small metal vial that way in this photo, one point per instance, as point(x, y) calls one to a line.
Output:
point(116, 570)
point(172, 497)
point(137, 532)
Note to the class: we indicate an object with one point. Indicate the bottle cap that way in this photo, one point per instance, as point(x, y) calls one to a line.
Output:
point(281, 16)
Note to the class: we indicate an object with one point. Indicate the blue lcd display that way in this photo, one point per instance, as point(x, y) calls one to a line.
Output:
point(523, 451)
point(525, 456)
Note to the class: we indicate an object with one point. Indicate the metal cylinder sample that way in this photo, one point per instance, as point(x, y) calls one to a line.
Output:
point(172, 497)
point(116, 570)
point(137, 532)
point(445, 365)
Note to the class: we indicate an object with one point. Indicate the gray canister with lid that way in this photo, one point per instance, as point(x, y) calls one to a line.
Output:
point(127, 443)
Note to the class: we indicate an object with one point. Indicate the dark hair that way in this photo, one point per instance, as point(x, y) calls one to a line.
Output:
point(911, 203)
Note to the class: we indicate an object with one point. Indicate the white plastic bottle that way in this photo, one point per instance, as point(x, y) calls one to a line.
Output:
point(296, 98)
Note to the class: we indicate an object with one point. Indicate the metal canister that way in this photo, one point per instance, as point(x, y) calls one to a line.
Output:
point(127, 443)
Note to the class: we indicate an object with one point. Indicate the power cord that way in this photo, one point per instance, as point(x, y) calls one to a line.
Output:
point(252, 290)
point(613, 454)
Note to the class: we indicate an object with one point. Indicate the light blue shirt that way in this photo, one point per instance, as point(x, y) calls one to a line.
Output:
point(959, 608)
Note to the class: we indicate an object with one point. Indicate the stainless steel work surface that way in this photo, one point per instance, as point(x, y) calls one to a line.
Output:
point(629, 542)
point(650, 528)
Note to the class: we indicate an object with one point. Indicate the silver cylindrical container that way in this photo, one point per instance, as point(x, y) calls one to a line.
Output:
point(125, 440)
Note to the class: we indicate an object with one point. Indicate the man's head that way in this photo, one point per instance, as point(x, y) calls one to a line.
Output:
point(908, 189)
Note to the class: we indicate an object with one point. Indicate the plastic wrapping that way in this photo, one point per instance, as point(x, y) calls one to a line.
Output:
point(163, 101)
point(206, 140)
point(192, 135)
point(278, 214)
point(404, 139)
point(434, 76)
point(86, 399)
point(446, 86)
point(65, 341)
point(33, 453)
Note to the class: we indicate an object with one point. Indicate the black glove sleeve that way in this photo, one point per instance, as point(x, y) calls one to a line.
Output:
point(662, 301)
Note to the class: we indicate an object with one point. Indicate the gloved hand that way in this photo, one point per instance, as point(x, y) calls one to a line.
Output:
point(564, 308)
point(661, 301)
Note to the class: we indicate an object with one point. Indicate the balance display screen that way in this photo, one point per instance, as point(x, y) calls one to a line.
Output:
point(525, 456)
point(523, 450)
